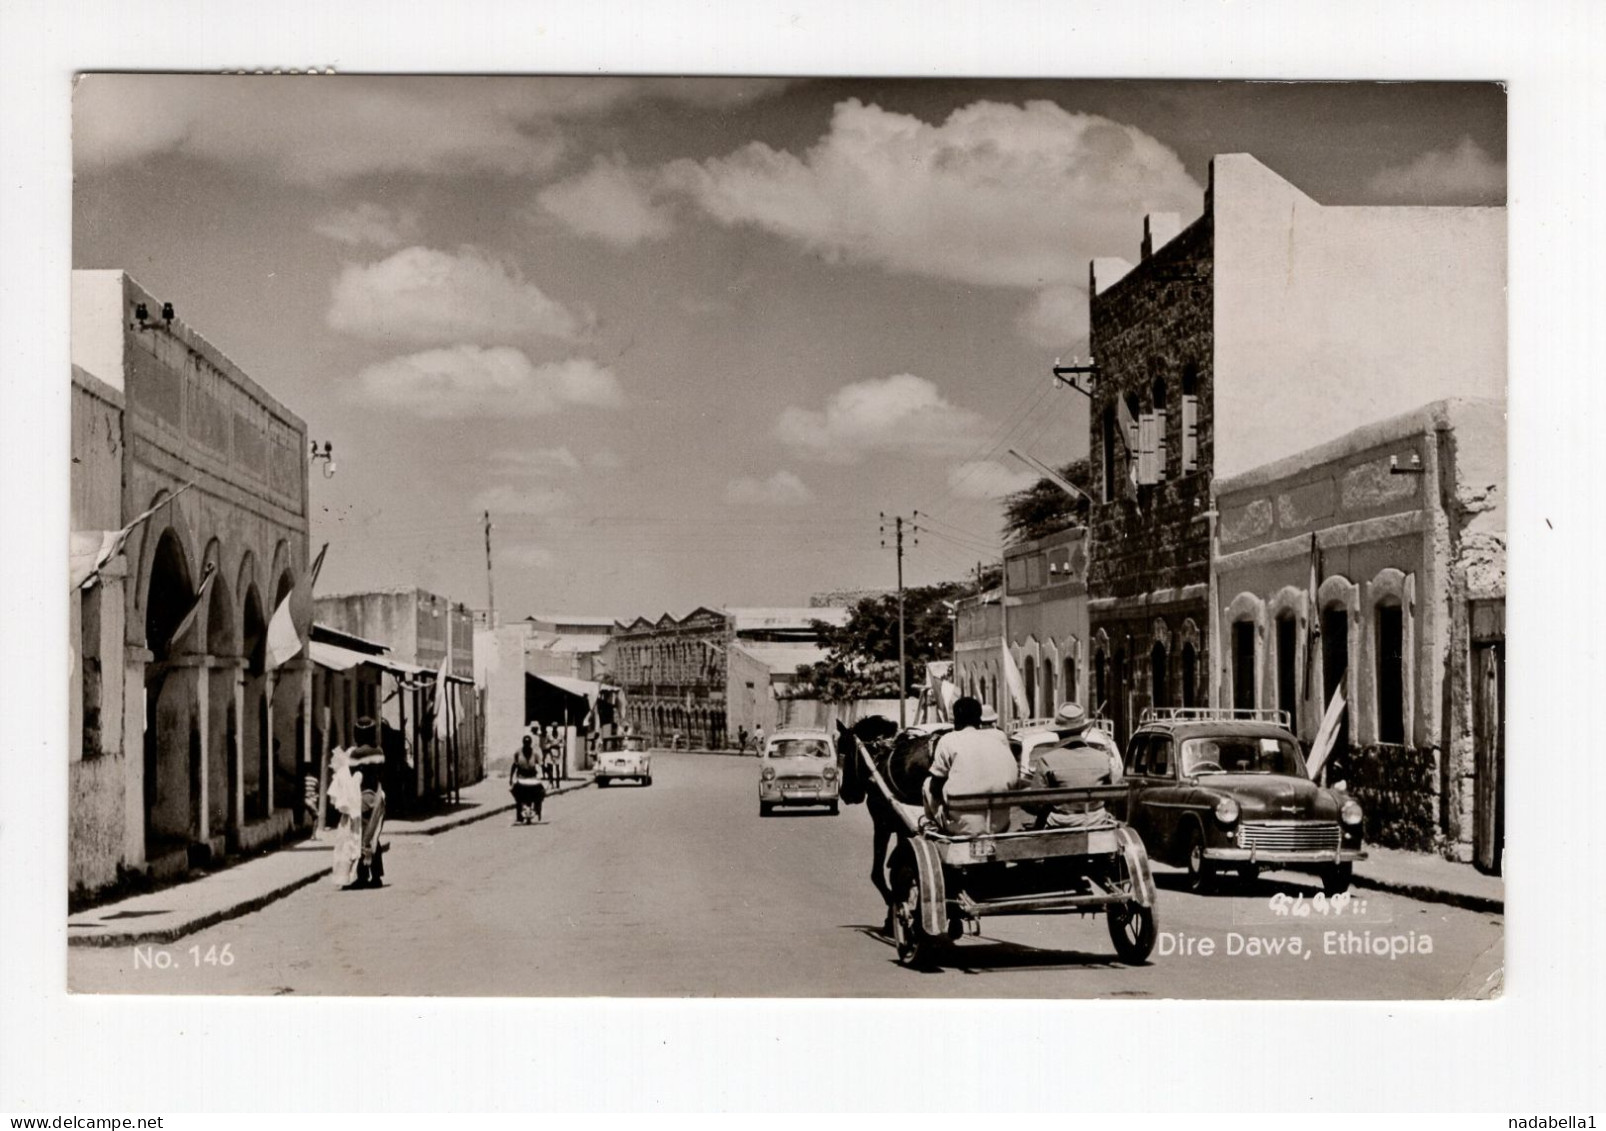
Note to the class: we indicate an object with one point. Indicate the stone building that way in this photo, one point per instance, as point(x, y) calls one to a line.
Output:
point(1268, 324)
point(547, 670)
point(1048, 620)
point(713, 672)
point(1375, 563)
point(418, 629)
point(184, 746)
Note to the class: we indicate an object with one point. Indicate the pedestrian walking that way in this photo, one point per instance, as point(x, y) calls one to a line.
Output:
point(758, 740)
point(524, 782)
point(741, 739)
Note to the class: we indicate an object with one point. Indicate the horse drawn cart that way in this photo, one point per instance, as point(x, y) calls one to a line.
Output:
point(939, 886)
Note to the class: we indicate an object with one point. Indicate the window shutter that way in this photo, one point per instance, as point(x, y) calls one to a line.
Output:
point(1190, 434)
point(1160, 465)
point(1146, 448)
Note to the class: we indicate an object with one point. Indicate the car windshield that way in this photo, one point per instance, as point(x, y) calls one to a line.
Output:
point(635, 744)
point(799, 748)
point(1242, 754)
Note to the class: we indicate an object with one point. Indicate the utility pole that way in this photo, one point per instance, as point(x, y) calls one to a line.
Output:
point(490, 582)
point(903, 679)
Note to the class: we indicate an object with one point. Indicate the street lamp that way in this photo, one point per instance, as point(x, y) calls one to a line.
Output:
point(327, 455)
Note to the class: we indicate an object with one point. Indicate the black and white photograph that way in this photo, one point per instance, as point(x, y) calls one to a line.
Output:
point(804, 557)
point(787, 537)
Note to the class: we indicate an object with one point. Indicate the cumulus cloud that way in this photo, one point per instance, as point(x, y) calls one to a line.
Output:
point(1056, 318)
point(467, 381)
point(783, 489)
point(998, 195)
point(1464, 174)
point(611, 202)
point(368, 223)
point(987, 479)
point(538, 500)
point(537, 461)
point(326, 128)
point(428, 296)
point(902, 413)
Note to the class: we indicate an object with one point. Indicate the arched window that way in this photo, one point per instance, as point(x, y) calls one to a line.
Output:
point(1070, 680)
point(1243, 665)
point(1049, 706)
point(1287, 678)
point(1162, 466)
point(1390, 673)
point(1031, 687)
point(1190, 664)
point(1159, 692)
point(1107, 446)
point(1101, 690)
point(1190, 418)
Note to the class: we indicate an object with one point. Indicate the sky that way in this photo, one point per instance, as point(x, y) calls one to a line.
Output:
point(687, 340)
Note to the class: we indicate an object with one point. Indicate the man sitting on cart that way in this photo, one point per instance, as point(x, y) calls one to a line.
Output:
point(1078, 761)
point(970, 758)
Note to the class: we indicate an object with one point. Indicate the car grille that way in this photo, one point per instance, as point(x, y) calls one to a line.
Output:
point(800, 783)
point(1289, 836)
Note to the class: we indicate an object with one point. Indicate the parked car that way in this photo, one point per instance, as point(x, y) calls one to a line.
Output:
point(622, 756)
point(1219, 790)
point(798, 767)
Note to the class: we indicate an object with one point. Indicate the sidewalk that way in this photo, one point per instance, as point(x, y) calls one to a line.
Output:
point(1421, 875)
point(163, 916)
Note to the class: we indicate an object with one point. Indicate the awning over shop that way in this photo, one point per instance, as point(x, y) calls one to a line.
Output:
point(336, 658)
point(581, 688)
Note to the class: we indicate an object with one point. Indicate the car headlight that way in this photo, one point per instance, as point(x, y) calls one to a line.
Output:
point(830, 773)
point(1226, 810)
point(1350, 813)
point(768, 773)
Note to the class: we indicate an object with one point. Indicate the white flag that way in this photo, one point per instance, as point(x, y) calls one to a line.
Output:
point(440, 694)
point(283, 639)
point(1016, 685)
point(1327, 735)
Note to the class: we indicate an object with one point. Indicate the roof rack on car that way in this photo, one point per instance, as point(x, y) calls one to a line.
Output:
point(1215, 714)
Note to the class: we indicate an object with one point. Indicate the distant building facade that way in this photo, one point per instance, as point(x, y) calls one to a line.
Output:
point(1048, 624)
point(1269, 324)
point(715, 672)
point(420, 629)
point(184, 747)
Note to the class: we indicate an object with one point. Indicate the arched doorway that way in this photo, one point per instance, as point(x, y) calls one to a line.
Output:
point(1049, 706)
point(1031, 688)
point(172, 784)
point(1190, 669)
point(222, 744)
point(286, 747)
point(1335, 667)
point(254, 741)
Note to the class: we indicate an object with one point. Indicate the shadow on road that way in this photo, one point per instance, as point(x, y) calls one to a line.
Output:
point(980, 954)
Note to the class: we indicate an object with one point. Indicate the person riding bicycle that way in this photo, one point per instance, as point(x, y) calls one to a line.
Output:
point(524, 782)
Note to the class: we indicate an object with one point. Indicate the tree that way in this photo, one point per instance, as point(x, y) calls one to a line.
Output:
point(1044, 508)
point(862, 655)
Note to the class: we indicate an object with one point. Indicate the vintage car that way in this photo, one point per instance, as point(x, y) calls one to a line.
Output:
point(1223, 790)
point(798, 767)
point(623, 756)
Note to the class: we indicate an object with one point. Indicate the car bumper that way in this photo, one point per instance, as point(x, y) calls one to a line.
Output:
point(1294, 856)
point(821, 796)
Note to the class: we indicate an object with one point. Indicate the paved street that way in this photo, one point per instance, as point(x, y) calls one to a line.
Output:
point(682, 889)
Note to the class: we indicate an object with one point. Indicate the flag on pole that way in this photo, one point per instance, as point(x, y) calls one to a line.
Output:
point(284, 641)
point(1328, 734)
point(89, 550)
point(1015, 685)
point(188, 618)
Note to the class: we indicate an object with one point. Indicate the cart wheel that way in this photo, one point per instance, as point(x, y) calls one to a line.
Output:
point(765, 809)
point(1201, 873)
point(1336, 880)
point(915, 947)
point(1132, 931)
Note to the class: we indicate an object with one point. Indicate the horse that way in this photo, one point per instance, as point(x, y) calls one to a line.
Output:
point(904, 761)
